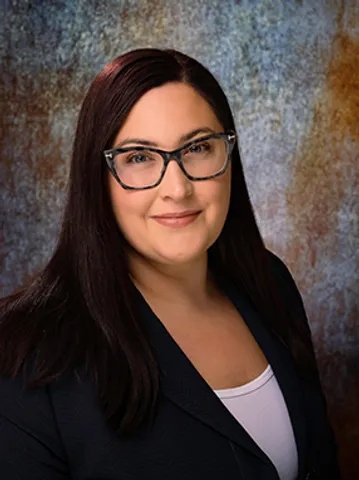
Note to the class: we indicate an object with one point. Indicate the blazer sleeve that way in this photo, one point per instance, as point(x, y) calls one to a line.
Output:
point(30, 446)
point(324, 446)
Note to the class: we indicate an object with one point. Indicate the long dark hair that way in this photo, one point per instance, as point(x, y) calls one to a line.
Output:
point(79, 310)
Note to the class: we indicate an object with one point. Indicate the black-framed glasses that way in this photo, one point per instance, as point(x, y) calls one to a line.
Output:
point(141, 168)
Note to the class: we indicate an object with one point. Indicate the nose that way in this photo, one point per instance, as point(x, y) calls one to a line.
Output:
point(175, 184)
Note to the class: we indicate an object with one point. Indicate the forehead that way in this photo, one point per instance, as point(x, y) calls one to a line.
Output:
point(166, 113)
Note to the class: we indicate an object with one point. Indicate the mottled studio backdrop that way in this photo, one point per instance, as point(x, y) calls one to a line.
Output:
point(291, 71)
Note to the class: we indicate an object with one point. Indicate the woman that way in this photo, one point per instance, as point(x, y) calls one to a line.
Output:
point(162, 340)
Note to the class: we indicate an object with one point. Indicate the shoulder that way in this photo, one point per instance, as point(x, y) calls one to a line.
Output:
point(28, 410)
point(30, 444)
point(280, 269)
point(43, 428)
point(33, 408)
point(286, 284)
point(35, 413)
point(36, 423)
point(15, 397)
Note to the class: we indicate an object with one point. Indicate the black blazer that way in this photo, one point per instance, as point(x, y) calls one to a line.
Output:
point(58, 432)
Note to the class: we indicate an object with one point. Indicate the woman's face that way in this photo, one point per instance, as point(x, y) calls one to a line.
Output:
point(163, 116)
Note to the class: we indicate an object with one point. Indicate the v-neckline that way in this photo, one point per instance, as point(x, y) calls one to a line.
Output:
point(184, 386)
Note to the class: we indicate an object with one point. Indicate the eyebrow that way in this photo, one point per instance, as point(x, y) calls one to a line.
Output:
point(183, 139)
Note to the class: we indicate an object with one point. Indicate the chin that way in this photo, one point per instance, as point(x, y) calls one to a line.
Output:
point(177, 261)
point(180, 257)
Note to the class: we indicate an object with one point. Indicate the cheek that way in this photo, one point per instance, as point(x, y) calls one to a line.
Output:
point(215, 197)
point(218, 195)
point(226, 188)
point(128, 206)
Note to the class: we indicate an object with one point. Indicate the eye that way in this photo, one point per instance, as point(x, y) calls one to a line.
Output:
point(137, 158)
point(199, 148)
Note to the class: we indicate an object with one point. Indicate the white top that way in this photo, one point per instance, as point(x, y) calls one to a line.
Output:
point(260, 408)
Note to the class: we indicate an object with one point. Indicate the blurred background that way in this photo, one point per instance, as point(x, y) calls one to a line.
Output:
point(291, 72)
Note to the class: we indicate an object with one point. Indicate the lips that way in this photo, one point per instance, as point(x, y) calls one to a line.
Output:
point(177, 219)
point(185, 213)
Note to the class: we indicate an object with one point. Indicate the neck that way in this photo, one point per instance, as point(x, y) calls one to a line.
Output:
point(185, 285)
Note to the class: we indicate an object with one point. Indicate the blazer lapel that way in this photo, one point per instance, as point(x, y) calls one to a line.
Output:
point(185, 387)
point(279, 357)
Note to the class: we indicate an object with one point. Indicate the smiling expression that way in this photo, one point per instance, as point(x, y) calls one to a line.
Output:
point(177, 221)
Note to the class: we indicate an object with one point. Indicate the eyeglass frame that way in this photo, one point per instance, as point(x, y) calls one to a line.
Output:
point(229, 137)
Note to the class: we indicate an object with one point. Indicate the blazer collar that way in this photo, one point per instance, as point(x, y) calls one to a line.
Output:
point(184, 386)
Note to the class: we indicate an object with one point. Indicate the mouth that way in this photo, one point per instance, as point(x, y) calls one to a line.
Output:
point(177, 219)
point(184, 213)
